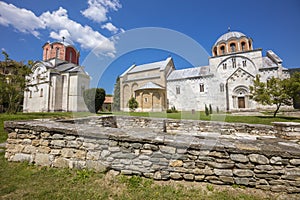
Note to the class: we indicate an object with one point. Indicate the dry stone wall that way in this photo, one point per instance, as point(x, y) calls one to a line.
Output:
point(266, 162)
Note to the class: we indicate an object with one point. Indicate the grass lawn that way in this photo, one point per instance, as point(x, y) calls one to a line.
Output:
point(24, 181)
point(267, 119)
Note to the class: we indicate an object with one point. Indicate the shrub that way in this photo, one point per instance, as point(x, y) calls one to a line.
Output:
point(210, 109)
point(172, 110)
point(94, 99)
point(206, 110)
point(133, 104)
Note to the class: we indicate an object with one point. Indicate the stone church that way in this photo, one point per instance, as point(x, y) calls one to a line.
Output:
point(56, 83)
point(223, 84)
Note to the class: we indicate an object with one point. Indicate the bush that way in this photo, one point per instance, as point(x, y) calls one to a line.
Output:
point(94, 99)
point(210, 109)
point(133, 104)
point(172, 110)
point(218, 109)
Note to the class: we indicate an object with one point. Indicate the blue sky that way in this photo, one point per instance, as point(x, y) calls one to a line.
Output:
point(101, 28)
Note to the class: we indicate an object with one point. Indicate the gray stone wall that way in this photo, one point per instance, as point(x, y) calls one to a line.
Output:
point(267, 163)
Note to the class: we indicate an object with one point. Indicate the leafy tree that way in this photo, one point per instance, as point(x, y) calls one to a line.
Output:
point(116, 103)
point(94, 99)
point(133, 104)
point(12, 83)
point(294, 87)
point(274, 92)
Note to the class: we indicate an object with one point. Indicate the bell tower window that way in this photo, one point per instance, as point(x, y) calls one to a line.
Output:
point(233, 62)
point(57, 52)
point(232, 47)
point(224, 66)
point(71, 55)
point(243, 46)
point(222, 50)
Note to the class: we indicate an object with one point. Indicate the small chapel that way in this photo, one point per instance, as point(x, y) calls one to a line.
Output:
point(223, 83)
point(57, 82)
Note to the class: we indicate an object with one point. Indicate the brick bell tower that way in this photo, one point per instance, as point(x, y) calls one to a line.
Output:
point(58, 50)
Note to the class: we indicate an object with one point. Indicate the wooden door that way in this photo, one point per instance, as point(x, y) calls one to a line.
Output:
point(241, 102)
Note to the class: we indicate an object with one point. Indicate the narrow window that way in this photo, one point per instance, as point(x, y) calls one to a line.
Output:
point(224, 66)
point(232, 47)
point(244, 63)
point(243, 46)
point(177, 90)
point(46, 57)
point(57, 52)
point(71, 55)
point(146, 100)
point(221, 87)
point(222, 50)
point(233, 62)
point(30, 94)
point(201, 87)
point(41, 92)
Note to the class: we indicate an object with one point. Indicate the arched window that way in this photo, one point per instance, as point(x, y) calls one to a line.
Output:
point(46, 56)
point(233, 60)
point(215, 51)
point(57, 52)
point(222, 50)
point(243, 46)
point(71, 55)
point(177, 89)
point(224, 66)
point(41, 92)
point(221, 87)
point(232, 47)
point(201, 87)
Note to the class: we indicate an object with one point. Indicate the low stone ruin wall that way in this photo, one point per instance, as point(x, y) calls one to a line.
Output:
point(266, 162)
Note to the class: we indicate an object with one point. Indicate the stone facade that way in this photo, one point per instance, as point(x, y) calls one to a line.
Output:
point(265, 162)
point(56, 83)
point(224, 83)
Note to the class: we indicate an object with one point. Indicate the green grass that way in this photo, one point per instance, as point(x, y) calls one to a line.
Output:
point(26, 116)
point(267, 119)
point(24, 181)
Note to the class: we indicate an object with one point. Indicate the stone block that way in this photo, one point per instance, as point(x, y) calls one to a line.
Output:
point(223, 172)
point(30, 149)
point(121, 155)
point(96, 165)
point(175, 175)
point(42, 159)
point(199, 177)
point(221, 165)
point(176, 163)
point(227, 179)
point(189, 177)
point(93, 155)
point(167, 149)
point(260, 159)
point(58, 143)
point(105, 153)
point(43, 149)
point(239, 158)
point(243, 173)
point(73, 144)
point(244, 166)
point(295, 162)
point(21, 157)
point(67, 153)
point(12, 135)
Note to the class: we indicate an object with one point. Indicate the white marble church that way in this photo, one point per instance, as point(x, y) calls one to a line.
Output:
point(56, 83)
point(224, 83)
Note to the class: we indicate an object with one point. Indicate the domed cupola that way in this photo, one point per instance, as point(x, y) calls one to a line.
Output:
point(232, 42)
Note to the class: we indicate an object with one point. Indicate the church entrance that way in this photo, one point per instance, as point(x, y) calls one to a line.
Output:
point(241, 102)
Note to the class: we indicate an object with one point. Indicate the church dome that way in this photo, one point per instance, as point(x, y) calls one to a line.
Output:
point(232, 34)
point(232, 42)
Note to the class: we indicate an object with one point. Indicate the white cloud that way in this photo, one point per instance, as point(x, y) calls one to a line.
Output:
point(59, 22)
point(97, 9)
point(23, 20)
point(109, 26)
point(59, 25)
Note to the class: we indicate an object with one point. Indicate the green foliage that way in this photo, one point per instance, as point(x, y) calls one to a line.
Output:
point(210, 109)
point(12, 83)
point(133, 104)
point(116, 103)
point(274, 92)
point(94, 99)
point(206, 110)
point(172, 110)
point(210, 187)
point(82, 175)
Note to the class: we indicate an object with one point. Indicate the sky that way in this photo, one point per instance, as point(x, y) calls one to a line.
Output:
point(111, 35)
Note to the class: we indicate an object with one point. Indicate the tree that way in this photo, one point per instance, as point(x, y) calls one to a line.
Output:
point(133, 104)
point(294, 87)
point(94, 99)
point(116, 103)
point(274, 92)
point(206, 110)
point(12, 83)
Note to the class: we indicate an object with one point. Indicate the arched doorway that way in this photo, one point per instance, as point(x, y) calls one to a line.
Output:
point(240, 97)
